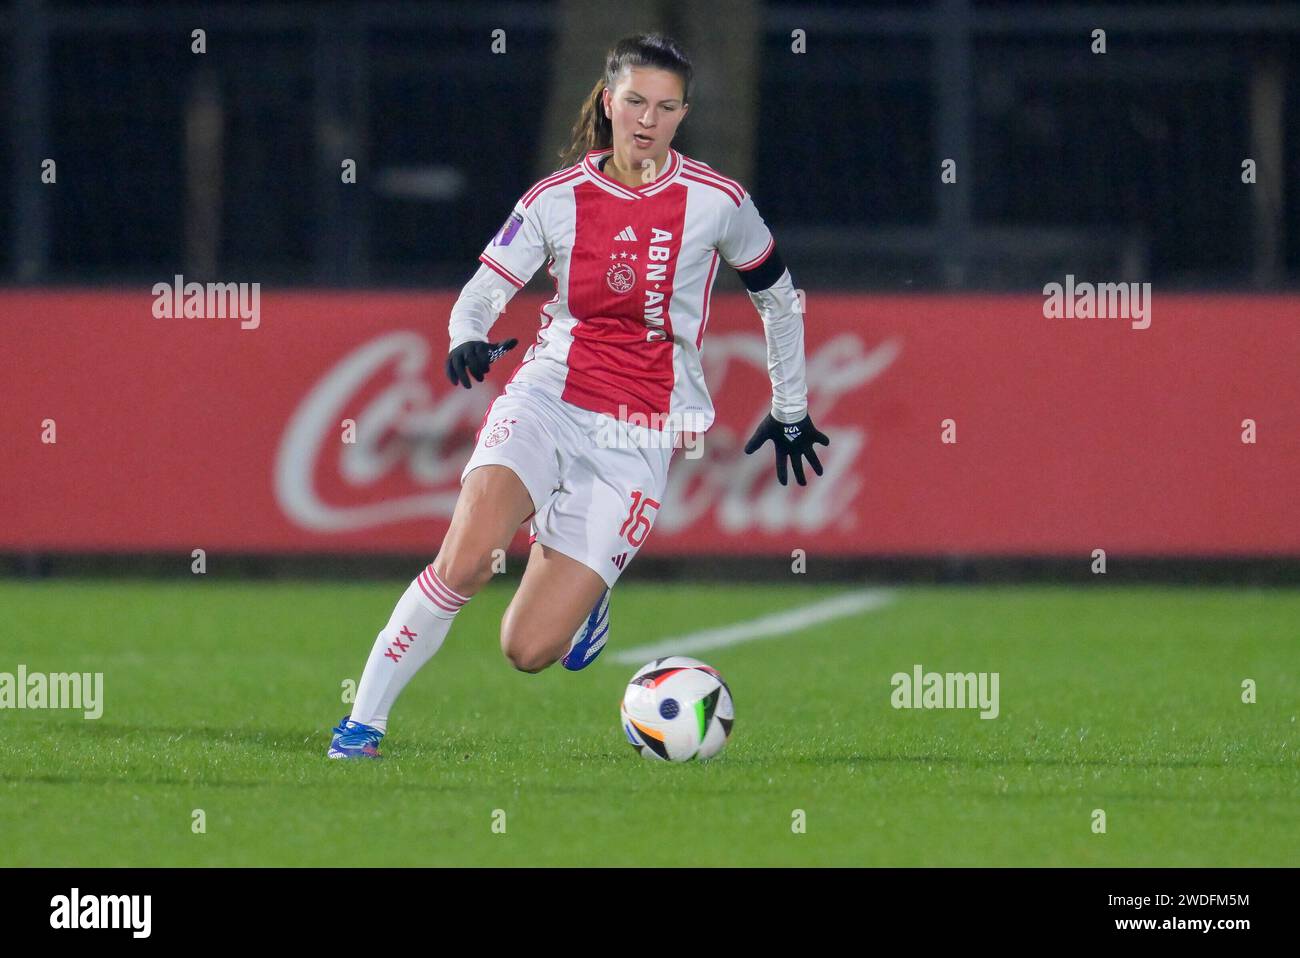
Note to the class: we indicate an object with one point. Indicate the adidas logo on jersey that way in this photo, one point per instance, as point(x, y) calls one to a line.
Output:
point(619, 560)
point(627, 236)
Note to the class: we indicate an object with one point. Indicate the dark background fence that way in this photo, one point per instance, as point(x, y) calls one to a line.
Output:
point(1126, 163)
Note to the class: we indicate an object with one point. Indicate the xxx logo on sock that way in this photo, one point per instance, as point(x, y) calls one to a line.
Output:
point(398, 643)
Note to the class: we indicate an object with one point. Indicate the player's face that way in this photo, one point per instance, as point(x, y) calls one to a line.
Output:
point(645, 107)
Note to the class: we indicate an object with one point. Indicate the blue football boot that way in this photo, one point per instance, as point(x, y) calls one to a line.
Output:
point(590, 638)
point(354, 740)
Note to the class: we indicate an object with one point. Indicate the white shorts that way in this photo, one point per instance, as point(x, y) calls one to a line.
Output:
point(596, 483)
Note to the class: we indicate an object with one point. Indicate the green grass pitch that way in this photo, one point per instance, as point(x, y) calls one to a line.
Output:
point(219, 696)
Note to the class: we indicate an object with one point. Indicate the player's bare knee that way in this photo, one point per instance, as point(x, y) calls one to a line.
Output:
point(523, 655)
point(462, 571)
point(528, 660)
point(521, 648)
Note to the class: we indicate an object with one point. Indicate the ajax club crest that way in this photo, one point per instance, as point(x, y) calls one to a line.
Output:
point(499, 433)
point(621, 278)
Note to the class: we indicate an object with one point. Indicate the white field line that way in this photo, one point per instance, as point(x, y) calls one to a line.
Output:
point(764, 627)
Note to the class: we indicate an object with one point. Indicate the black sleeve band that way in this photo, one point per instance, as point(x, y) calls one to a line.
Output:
point(765, 274)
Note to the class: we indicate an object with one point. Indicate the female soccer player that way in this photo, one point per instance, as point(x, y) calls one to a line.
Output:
point(581, 438)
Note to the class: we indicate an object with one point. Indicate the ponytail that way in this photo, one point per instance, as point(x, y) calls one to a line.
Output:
point(593, 131)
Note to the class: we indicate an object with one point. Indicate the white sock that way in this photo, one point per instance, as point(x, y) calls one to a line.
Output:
point(415, 631)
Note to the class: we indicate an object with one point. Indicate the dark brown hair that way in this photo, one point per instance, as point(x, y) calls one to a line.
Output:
point(593, 131)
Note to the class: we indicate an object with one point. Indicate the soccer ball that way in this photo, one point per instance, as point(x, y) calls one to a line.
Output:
point(677, 709)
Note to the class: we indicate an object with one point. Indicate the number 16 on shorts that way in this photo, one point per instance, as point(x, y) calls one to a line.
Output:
point(637, 524)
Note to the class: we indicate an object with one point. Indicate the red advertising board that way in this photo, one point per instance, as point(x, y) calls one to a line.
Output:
point(1071, 434)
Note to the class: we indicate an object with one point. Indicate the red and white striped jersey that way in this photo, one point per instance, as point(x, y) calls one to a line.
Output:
point(633, 271)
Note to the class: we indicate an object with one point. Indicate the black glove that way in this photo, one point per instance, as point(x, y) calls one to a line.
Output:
point(477, 358)
point(791, 439)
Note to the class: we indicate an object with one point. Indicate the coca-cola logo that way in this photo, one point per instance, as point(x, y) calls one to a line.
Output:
point(385, 386)
point(738, 494)
point(402, 405)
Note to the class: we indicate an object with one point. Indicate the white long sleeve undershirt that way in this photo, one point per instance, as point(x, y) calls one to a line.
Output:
point(480, 303)
point(779, 307)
